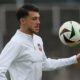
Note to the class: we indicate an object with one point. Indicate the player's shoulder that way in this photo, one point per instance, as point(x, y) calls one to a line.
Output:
point(37, 38)
point(16, 40)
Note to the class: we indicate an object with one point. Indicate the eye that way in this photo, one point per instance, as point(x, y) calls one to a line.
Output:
point(34, 18)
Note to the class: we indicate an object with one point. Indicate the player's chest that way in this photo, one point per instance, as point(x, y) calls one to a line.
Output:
point(32, 51)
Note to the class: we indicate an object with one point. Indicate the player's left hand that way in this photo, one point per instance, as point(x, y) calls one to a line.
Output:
point(78, 58)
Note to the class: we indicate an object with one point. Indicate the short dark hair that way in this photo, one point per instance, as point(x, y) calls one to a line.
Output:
point(23, 11)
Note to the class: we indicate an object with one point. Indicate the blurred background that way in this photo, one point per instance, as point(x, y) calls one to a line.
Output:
point(53, 14)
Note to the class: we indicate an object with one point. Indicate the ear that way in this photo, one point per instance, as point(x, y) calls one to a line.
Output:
point(22, 20)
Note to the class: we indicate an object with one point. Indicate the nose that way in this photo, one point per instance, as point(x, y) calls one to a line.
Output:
point(38, 21)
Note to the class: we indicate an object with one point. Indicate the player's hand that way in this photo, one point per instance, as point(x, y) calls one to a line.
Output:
point(78, 58)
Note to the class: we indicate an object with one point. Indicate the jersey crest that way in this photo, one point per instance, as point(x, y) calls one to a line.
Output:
point(39, 47)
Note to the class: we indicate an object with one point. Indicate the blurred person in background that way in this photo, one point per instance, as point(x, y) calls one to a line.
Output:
point(24, 56)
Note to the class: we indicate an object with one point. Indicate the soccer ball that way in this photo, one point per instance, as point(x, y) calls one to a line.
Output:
point(69, 33)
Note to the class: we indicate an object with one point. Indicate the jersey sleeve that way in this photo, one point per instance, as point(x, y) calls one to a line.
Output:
point(7, 56)
point(49, 64)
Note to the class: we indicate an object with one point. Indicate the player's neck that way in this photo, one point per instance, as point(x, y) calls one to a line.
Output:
point(25, 31)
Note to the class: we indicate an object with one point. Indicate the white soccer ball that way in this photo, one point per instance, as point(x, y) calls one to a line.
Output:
point(69, 33)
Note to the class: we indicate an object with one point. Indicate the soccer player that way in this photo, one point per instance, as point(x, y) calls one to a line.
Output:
point(24, 56)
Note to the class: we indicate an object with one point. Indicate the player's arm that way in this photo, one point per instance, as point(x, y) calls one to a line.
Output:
point(8, 54)
point(52, 64)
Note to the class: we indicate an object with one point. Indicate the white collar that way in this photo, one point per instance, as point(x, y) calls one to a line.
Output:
point(24, 35)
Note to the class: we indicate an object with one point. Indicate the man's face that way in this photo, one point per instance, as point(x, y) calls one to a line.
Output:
point(31, 22)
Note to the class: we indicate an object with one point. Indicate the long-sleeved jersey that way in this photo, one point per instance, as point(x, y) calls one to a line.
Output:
point(25, 59)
